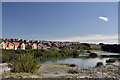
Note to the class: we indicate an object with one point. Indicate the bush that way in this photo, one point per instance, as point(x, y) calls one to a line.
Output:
point(110, 61)
point(99, 64)
point(73, 71)
point(93, 55)
point(75, 53)
point(25, 63)
point(118, 59)
point(72, 65)
point(88, 52)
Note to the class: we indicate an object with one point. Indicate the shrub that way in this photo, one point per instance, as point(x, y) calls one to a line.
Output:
point(88, 52)
point(72, 65)
point(110, 61)
point(73, 71)
point(118, 59)
point(75, 53)
point(99, 64)
point(93, 55)
point(25, 63)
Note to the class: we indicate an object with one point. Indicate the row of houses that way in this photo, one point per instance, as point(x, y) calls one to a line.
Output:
point(23, 46)
point(33, 44)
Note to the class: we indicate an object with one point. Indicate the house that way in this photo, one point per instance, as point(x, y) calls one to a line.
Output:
point(22, 46)
point(39, 46)
point(49, 44)
point(1, 40)
point(34, 46)
point(44, 47)
point(3, 45)
point(11, 45)
point(7, 45)
point(7, 39)
point(21, 40)
point(27, 40)
point(28, 46)
point(38, 41)
point(56, 45)
point(16, 45)
point(33, 41)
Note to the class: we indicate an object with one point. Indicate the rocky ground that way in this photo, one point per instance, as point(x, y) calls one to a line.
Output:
point(65, 71)
point(52, 70)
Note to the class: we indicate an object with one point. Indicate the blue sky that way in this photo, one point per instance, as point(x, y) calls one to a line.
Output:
point(71, 21)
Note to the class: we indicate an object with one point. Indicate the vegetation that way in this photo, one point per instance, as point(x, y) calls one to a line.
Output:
point(99, 64)
point(111, 48)
point(82, 46)
point(25, 63)
point(28, 60)
point(119, 59)
point(72, 65)
point(92, 55)
point(110, 61)
point(88, 51)
point(73, 71)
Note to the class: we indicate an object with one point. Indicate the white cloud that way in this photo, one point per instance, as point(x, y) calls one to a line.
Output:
point(92, 38)
point(104, 18)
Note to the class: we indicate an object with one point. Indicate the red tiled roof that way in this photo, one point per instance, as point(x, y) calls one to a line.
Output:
point(35, 44)
point(56, 45)
point(10, 43)
point(7, 43)
point(33, 40)
point(29, 43)
point(7, 39)
point(49, 44)
point(16, 43)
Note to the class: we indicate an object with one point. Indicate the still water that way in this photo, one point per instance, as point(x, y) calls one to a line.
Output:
point(105, 53)
point(81, 62)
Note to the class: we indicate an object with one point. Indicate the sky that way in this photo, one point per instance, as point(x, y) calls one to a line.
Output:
point(91, 22)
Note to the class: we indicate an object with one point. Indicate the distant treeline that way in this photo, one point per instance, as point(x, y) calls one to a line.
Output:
point(105, 47)
point(111, 48)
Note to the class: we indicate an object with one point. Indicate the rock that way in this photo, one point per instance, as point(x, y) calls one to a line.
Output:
point(93, 55)
point(99, 64)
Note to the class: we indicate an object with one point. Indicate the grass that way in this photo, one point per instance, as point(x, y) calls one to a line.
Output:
point(95, 51)
point(73, 72)
point(63, 77)
point(56, 73)
point(16, 75)
point(68, 65)
point(45, 72)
